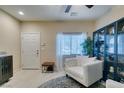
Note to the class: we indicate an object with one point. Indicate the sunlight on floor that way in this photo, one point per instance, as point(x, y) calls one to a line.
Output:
point(30, 79)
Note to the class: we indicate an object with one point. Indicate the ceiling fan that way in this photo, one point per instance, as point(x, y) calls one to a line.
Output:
point(89, 6)
point(69, 7)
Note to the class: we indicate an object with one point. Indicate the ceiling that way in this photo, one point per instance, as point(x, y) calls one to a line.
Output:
point(56, 12)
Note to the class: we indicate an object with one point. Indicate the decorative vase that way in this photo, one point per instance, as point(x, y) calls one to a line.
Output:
point(111, 69)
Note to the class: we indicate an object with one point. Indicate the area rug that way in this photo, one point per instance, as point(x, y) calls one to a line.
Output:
point(67, 82)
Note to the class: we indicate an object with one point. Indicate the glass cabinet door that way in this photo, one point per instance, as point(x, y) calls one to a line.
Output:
point(101, 44)
point(110, 55)
point(120, 49)
point(110, 44)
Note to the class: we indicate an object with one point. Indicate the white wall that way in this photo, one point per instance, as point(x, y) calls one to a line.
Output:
point(10, 37)
point(113, 15)
point(49, 31)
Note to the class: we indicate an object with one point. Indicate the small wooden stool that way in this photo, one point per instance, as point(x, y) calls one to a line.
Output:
point(48, 67)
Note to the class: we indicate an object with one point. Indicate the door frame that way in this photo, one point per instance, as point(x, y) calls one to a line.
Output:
point(39, 51)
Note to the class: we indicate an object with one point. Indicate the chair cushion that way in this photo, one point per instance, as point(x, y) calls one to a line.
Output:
point(82, 60)
point(92, 59)
point(76, 71)
point(70, 62)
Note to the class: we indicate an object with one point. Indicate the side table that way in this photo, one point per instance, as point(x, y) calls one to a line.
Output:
point(48, 67)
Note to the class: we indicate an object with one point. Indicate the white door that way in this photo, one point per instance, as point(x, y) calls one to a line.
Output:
point(30, 50)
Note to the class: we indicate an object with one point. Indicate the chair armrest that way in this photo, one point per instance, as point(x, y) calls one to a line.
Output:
point(70, 62)
point(113, 84)
point(93, 71)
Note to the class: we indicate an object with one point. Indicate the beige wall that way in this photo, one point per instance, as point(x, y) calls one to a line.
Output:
point(10, 37)
point(49, 31)
point(10, 29)
point(113, 15)
point(10, 32)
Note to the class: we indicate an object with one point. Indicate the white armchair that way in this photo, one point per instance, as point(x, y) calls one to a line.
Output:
point(71, 62)
point(93, 72)
point(113, 84)
point(85, 70)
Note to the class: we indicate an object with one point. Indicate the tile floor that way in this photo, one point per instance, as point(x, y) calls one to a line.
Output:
point(30, 79)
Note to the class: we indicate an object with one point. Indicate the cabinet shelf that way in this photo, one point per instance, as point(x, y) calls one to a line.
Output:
point(120, 32)
point(111, 75)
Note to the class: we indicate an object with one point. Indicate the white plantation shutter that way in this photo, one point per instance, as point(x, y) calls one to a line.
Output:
point(68, 44)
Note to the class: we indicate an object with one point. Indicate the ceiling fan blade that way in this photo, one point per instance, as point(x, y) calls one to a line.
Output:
point(89, 6)
point(68, 8)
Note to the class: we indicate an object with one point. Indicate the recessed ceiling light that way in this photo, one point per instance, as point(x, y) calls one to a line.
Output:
point(21, 13)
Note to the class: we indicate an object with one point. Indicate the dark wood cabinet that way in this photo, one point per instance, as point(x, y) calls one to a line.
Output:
point(0, 70)
point(6, 68)
point(111, 37)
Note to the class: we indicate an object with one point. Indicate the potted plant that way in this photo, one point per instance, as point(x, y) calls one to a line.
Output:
point(87, 47)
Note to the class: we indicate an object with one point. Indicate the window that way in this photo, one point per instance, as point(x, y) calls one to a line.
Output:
point(70, 43)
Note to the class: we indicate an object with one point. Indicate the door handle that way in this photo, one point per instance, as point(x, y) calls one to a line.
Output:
point(37, 52)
